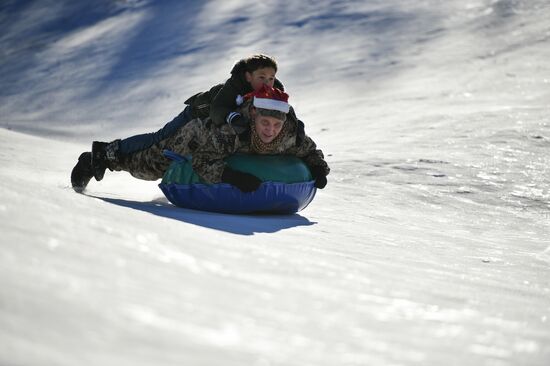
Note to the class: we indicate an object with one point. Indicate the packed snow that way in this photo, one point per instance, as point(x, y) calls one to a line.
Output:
point(430, 244)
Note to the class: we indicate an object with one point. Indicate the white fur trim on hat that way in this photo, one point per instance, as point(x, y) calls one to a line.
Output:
point(273, 104)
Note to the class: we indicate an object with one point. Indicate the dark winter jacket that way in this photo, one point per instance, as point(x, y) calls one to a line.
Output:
point(218, 102)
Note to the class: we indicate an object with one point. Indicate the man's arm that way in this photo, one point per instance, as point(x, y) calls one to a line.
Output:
point(208, 159)
point(314, 159)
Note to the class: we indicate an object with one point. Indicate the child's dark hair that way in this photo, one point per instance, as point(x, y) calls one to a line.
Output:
point(254, 63)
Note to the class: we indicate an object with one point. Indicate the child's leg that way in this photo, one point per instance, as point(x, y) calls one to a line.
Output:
point(137, 143)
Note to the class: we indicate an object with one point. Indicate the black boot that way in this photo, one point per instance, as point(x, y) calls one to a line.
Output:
point(82, 172)
point(102, 154)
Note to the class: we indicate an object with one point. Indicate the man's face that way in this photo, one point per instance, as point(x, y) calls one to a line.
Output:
point(260, 77)
point(267, 127)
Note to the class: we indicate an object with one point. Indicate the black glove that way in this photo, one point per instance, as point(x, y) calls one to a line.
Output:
point(244, 181)
point(318, 173)
point(239, 124)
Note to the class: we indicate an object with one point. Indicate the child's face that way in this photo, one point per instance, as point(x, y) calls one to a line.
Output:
point(260, 77)
point(267, 127)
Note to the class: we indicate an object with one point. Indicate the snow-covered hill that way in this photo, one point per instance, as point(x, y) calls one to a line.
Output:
point(430, 244)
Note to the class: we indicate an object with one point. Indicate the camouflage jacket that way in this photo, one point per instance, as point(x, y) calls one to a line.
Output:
point(210, 145)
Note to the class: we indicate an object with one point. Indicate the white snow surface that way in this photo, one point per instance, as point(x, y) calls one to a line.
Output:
point(429, 246)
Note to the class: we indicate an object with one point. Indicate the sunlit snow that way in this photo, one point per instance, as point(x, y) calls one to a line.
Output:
point(429, 246)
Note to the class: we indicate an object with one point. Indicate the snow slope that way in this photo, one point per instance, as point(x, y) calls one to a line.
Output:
point(430, 244)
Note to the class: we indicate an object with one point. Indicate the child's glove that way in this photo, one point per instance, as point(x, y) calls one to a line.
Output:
point(238, 122)
point(318, 173)
point(244, 181)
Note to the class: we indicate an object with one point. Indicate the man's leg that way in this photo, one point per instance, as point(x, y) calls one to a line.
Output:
point(147, 164)
point(82, 172)
point(150, 164)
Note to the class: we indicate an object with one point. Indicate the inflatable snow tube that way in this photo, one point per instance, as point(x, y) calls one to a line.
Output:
point(287, 185)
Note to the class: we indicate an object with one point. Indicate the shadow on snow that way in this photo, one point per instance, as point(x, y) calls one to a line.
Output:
point(235, 224)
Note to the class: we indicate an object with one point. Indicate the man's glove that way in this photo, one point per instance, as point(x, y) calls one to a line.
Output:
point(318, 173)
point(244, 181)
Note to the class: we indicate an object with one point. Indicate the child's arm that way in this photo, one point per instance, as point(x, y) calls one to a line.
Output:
point(222, 109)
point(224, 103)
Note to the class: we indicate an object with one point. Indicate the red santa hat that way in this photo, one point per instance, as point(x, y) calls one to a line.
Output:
point(269, 98)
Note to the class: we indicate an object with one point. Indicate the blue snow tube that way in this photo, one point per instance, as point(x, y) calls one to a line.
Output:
point(287, 185)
